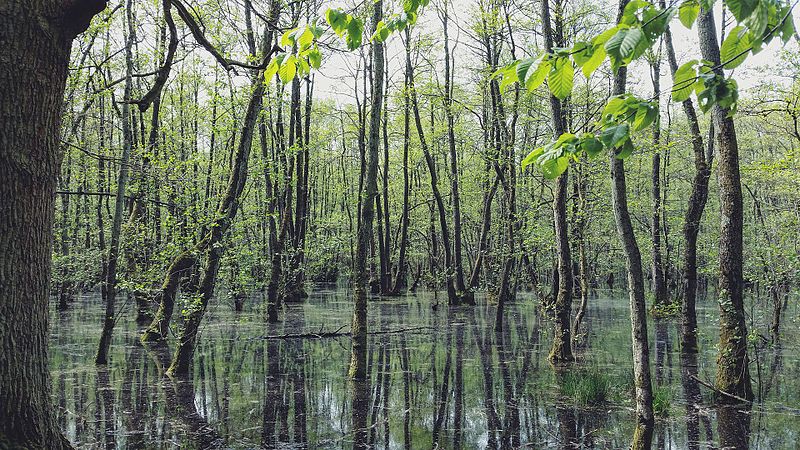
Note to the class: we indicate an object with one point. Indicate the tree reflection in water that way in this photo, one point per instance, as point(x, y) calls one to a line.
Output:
point(455, 383)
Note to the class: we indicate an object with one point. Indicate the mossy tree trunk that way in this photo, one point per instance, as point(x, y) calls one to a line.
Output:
point(733, 373)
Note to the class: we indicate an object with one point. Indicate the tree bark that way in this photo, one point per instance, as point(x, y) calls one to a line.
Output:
point(733, 374)
point(37, 37)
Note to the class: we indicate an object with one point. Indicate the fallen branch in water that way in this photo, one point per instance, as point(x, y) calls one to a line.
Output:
point(337, 333)
point(718, 391)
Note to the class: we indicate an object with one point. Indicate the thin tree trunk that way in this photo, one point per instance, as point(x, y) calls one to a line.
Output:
point(659, 283)
point(109, 288)
point(358, 361)
point(462, 290)
point(643, 432)
point(561, 351)
point(402, 270)
point(452, 298)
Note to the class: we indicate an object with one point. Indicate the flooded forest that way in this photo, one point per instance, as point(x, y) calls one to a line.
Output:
point(417, 224)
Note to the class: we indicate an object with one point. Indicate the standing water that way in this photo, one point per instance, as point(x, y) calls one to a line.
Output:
point(439, 378)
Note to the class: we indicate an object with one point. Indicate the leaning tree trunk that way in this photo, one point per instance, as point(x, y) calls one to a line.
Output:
point(643, 433)
point(36, 36)
point(561, 351)
point(226, 213)
point(358, 360)
point(733, 373)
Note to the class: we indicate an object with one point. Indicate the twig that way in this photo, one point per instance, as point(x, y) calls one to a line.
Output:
point(718, 391)
point(338, 333)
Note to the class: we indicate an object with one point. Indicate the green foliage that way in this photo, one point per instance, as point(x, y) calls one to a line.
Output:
point(622, 115)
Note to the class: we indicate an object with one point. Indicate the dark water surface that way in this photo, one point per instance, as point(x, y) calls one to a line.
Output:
point(449, 379)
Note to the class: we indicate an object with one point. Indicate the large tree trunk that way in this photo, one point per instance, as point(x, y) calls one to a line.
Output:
point(36, 36)
point(733, 374)
point(358, 360)
point(643, 433)
point(561, 351)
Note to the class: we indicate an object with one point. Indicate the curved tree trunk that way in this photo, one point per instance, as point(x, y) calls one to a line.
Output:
point(36, 36)
point(694, 212)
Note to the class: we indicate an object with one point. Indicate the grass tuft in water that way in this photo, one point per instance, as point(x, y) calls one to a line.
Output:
point(662, 401)
point(586, 386)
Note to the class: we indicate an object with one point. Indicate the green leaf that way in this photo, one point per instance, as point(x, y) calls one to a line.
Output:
point(655, 21)
point(591, 145)
point(645, 116)
point(305, 39)
point(633, 6)
point(271, 70)
point(735, 47)
point(532, 157)
point(683, 82)
point(626, 150)
point(787, 29)
point(551, 169)
point(509, 74)
point(758, 20)
point(561, 78)
point(688, 12)
point(615, 135)
point(382, 32)
point(315, 58)
point(287, 39)
point(538, 76)
point(581, 52)
point(631, 44)
point(604, 37)
point(614, 106)
point(288, 69)
point(355, 30)
point(594, 62)
point(522, 68)
point(337, 20)
point(741, 9)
